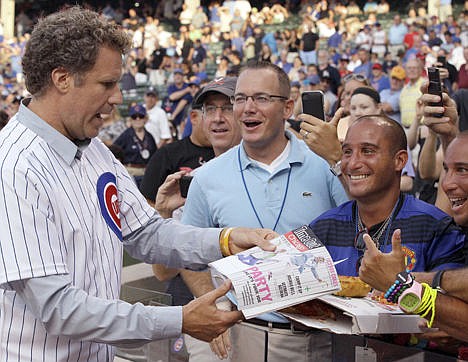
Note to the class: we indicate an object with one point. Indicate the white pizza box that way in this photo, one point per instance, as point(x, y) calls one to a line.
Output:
point(362, 316)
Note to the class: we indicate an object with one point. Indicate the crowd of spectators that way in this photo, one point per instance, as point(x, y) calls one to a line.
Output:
point(180, 46)
point(365, 59)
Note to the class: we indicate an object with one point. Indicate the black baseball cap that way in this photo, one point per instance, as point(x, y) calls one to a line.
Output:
point(223, 85)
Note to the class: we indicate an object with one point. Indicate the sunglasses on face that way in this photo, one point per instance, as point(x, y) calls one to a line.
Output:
point(353, 76)
point(359, 242)
point(360, 246)
point(137, 115)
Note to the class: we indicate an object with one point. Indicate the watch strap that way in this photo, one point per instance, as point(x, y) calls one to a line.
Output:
point(336, 169)
point(436, 281)
point(404, 277)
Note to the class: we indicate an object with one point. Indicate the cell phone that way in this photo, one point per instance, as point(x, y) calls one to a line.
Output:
point(184, 184)
point(435, 87)
point(312, 103)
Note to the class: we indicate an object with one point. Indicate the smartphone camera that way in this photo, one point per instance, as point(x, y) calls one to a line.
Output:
point(312, 103)
point(184, 185)
point(435, 87)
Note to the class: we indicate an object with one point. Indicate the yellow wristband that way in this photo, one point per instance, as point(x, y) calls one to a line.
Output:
point(427, 305)
point(224, 241)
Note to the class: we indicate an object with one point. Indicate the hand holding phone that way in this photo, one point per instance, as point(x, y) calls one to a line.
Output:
point(435, 87)
point(321, 137)
point(184, 184)
point(313, 104)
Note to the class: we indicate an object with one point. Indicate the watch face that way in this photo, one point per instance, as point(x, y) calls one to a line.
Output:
point(410, 302)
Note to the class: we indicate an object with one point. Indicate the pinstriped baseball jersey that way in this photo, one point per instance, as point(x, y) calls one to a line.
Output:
point(60, 208)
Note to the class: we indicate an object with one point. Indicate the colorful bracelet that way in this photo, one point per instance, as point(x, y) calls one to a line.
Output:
point(395, 293)
point(404, 280)
point(427, 305)
point(224, 241)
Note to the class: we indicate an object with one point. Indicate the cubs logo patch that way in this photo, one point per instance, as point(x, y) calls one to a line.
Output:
point(108, 201)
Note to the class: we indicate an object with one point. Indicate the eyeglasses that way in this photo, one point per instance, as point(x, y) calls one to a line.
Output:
point(138, 115)
point(354, 76)
point(260, 99)
point(226, 110)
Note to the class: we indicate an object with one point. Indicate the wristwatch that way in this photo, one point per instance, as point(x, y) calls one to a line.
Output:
point(410, 299)
point(336, 169)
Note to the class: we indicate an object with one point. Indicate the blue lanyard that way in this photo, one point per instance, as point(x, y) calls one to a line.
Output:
point(250, 198)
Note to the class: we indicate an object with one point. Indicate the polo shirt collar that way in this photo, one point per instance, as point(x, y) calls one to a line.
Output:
point(296, 154)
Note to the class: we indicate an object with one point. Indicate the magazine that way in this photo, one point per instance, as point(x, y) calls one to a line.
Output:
point(300, 269)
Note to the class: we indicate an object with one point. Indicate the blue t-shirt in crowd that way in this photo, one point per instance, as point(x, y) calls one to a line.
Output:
point(430, 238)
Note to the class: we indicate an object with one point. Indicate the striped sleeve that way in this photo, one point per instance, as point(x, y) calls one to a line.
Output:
point(29, 239)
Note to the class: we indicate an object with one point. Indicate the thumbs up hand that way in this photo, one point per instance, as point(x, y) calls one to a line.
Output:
point(379, 269)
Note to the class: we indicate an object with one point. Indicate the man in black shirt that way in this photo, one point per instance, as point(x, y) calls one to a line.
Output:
point(157, 55)
point(155, 62)
point(308, 45)
point(186, 154)
point(328, 71)
point(199, 53)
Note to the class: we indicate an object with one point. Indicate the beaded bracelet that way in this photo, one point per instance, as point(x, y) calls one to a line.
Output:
point(395, 293)
point(404, 280)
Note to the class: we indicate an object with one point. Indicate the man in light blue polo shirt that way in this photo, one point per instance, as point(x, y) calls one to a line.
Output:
point(272, 179)
point(396, 35)
point(390, 98)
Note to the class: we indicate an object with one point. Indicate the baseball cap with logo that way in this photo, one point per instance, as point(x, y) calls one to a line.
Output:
point(398, 72)
point(223, 85)
point(138, 109)
point(324, 74)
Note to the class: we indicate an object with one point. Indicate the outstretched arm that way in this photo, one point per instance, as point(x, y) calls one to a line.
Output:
point(446, 125)
point(322, 138)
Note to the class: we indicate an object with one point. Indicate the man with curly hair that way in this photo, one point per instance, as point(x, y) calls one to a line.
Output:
point(68, 208)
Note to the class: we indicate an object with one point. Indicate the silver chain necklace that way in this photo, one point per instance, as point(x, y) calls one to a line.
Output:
point(378, 234)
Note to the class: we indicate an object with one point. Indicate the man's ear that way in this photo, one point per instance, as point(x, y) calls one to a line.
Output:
point(401, 157)
point(288, 109)
point(195, 117)
point(61, 79)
